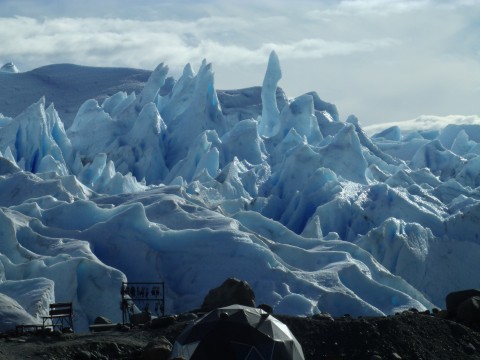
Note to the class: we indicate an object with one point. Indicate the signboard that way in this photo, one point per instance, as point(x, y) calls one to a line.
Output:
point(142, 297)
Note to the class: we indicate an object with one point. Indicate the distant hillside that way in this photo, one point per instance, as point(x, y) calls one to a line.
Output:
point(67, 85)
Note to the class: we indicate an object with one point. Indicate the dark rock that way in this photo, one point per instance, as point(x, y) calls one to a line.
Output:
point(267, 308)
point(140, 318)
point(101, 320)
point(470, 349)
point(187, 317)
point(161, 322)
point(123, 328)
point(454, 299)
point(113, 350)
point(158, 349)
point(18, 340)
point(84, 355)
point(323, 316)
point(443, 314)
point(232, 291)
point(468, 311)
point(458, 330)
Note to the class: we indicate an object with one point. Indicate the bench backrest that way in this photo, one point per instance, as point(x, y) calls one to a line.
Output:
point(60, 309)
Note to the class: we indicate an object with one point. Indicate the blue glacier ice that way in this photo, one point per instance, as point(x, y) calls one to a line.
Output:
point(183, 183)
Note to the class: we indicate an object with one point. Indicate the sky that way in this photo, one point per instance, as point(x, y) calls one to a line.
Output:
point(382, 60)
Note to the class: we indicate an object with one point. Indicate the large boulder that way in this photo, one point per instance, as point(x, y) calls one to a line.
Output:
point(162, 322)
point(102, 320)
point(454, 299)
point(158, 349)
point(232, 291)
point(468, 312)
point(140, 318)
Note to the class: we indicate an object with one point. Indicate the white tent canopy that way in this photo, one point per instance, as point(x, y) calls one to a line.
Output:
point(237, 332)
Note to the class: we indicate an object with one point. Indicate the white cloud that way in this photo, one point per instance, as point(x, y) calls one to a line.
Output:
point(379, 7)
point(126, 42)
point(380, 59)
point(425, 123)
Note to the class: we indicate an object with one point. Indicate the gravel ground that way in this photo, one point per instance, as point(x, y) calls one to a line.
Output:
point(403, 336)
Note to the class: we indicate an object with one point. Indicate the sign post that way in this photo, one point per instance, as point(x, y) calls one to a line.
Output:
point(145, 296)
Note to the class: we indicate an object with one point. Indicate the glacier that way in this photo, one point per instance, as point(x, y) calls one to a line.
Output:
point(183, 183)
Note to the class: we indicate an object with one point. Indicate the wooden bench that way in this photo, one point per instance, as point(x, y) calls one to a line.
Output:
point(60, 316)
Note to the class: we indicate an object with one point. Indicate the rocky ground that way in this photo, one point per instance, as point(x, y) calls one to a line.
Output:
point(404, 336)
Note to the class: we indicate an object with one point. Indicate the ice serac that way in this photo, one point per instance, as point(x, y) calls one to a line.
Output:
point(299, 115)
point(152, 87)
point(470, 173)
point(369, 145)
point(92, 130)
point(294, 173)
point(392, 133)
point(179, 98)
point(57, 132)
point(351, 269)
point(12, 314)
point(403, 149)
point(461, 145)
point(270, 114)
point(323, 106)
point(243, 141)
point(344, 155)
point(202, 113)
point(4, 120)
point(128, 115)
point(469, 126)
point(111, 103)
point(356, 209)
point(279, 150)
point(440, 161)
point(229, 181)
point(9, 68)
point(204, 154)
point(33, 135)
point(8, 166)
point(463, 226)
point(428, 263)
point(39, 269)
point(100, 175)
point(34, 295)
point(319, 189)
point(142, 150)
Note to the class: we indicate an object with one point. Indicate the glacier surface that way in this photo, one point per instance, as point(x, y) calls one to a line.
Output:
point(182, 183)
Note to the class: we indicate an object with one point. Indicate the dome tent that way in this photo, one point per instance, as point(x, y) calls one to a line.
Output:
point(237, 332)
